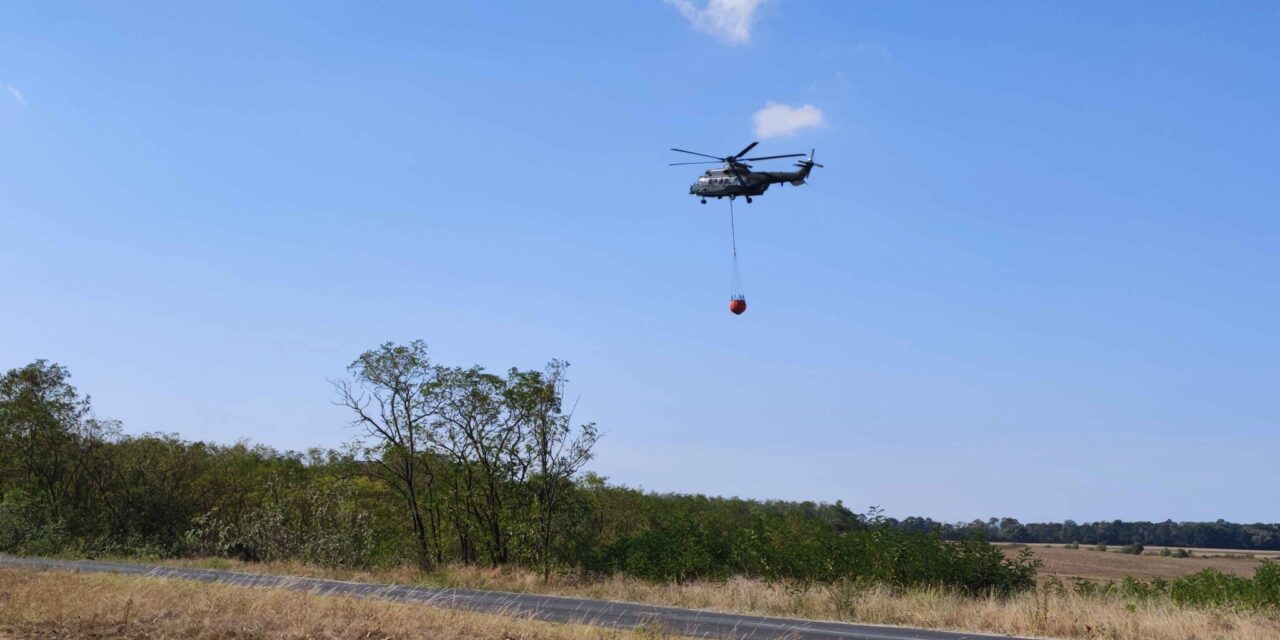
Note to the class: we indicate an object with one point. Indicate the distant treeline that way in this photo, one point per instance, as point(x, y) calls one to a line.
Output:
point(446, 465)
point(1215, 535)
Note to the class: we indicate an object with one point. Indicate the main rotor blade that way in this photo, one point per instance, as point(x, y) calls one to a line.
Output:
point(744, 151)
point(734, 169)
point(698, 154)
point(676, 164)
point(789, 155)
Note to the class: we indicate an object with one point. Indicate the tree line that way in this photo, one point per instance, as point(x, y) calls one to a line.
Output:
point(1216, 535)
point(445, 465)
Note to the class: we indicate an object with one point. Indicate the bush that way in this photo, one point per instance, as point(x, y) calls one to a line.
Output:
point(803, 551)
point(1133, 548)
point(1089, 588)
point(1131, 587)
point(319, 524)
point(1209, 588)
point(674, 547)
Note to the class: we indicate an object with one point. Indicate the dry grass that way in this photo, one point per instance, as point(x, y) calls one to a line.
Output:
point(1054, 615)
point(1113, 565)
point(55, 604)
point(1045, 613)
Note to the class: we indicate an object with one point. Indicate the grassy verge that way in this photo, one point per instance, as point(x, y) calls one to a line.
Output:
point(1045, 612)
point(56, 604)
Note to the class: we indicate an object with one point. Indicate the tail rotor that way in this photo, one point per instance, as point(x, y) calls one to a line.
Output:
point(806, 166)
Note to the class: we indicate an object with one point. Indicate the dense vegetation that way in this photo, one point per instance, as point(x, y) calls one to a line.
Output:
point(1208, 588)
point(1216, 535)
point(448, 465)
point(460, 465)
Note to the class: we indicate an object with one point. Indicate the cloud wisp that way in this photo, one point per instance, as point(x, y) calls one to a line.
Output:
point(728, 20)
point(781, 119)
point(13, 91)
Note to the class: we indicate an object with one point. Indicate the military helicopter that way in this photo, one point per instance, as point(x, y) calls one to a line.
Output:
point(736, 178)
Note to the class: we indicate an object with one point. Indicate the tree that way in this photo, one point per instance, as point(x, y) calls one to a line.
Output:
point(51, 446)
point(481, 419)
point(391, 393)
point(40, 414)
point(553, 451)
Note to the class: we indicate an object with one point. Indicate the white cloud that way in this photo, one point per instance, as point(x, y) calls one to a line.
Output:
point(729, 20)
point(780, 119)
point(13, 91)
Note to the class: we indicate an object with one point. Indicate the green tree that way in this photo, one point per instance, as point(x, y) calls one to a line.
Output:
point(40, 417)
point(391, 393)
point(553, 451)
point(481, 421)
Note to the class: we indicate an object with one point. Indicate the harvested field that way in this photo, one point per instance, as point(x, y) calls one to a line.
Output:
point(1112, 565)
point(55, 604)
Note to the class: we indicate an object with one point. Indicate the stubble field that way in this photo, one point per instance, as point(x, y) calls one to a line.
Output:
point(1091, 564)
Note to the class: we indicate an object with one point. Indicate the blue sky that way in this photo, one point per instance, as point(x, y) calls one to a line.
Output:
point(1037, 277)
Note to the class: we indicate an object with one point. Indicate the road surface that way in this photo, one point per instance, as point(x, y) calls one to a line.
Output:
point(624, 615)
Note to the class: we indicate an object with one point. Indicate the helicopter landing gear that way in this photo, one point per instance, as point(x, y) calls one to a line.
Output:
point(748, 199)
point(704, 201)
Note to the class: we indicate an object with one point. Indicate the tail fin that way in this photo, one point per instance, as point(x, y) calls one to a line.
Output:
point(806, 166)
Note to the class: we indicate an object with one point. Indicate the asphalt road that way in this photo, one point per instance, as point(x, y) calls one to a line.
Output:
point(684, 622)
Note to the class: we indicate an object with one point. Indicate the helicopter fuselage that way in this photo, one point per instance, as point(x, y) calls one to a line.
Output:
point(719, 183)
point(735, 178)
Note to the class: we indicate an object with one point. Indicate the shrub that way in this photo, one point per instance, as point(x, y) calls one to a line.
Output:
point(1089, 588)
point(802, 551)
point(673, 547)
point(320, 524)
point(1131, 587)
point(1209, 588)
point(1133, 548)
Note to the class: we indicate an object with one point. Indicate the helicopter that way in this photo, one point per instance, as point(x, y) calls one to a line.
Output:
point(736, 178)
